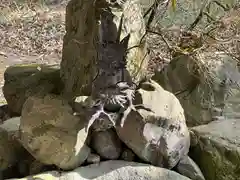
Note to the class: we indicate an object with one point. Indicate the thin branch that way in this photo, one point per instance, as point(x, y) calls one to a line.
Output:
point(163, 38)
point(199, 17)
point(153, 10)
point(139, 42)
point(209, 16)
point(219, 4)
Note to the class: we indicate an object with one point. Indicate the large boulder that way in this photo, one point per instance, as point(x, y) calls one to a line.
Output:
point(22, 81)
point(206, 96)
point(156, 131)
point(205, 74)
point(114, 170)
point(17, 159)
point(51, 133)
point(5, 113)
point(217, 149)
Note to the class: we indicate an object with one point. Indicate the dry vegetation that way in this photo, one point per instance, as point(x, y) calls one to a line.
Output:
point(31, 31)
point(221, 36)
point(34, 28)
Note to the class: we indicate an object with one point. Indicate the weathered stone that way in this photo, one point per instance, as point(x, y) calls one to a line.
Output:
point(106, 144)
point(187, 167)
point(206, 96)
point(218, 150)
point(156, 131)
point(22, 81)
point(12, 153)
point(93, 158)
point(52, 134)
point(128, 155)
point(79, 48)
point(28, 165)
point(133, 24)
point(10, 149)
point(114, 170)
point(36, 167)
point(11, 126)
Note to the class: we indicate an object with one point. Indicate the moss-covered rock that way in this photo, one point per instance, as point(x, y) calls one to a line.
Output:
point(217, 151)
point(52, 134)
point(22, 81)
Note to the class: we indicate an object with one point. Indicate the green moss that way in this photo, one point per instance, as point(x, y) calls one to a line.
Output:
point(216, 161)
point(27, 80)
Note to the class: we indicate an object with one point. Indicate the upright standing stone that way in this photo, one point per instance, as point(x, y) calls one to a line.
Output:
point(79, 51)
point(84, 33)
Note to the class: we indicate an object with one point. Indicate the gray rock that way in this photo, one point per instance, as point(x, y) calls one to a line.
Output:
point(4, 113)
point(133, 23)
point(115, 170)
point(128, 155)
point(15, 157)
point(10, 148)
point(93, 158)
point(156, 131)
point(106, 144)
point(212, 95)
point(11, 125)
point(187, 167)
point(22, 81)
point(217, 151)
point(52, 134)
point(77, 69)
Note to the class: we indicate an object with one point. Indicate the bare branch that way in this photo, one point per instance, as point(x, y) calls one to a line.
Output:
point(163, 38)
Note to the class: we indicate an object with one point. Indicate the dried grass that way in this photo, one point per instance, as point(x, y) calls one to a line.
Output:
point(32, 28)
